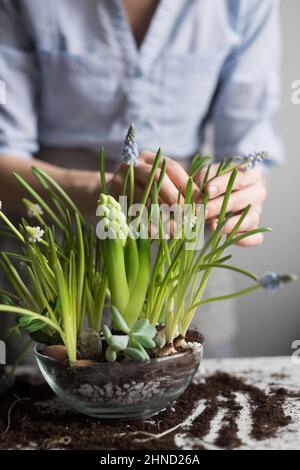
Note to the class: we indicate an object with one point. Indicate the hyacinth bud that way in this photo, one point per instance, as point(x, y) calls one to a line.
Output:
point(249, 161)
point(122, 218)
point(114, 225)
point(113, 220)
point(130, 149)
point(273, 281)
point(105, 211)
point(113, 214)
point(113, 203)
point(102, 199)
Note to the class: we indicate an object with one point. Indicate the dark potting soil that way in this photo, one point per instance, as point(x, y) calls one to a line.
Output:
point(267, 413)
point(24, 422)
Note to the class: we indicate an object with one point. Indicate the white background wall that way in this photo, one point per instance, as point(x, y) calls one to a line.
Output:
point(270, 322)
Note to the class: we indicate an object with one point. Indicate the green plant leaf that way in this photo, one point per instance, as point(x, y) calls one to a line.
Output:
point(113, 254)
point(44, 338)
point(23, 311)
point(39, 200)
point(144, 341)
point(118, 320)
point(102, 170)
point(198, 163)
point(144, 328)
point(138, 295)
point(134, 354)
point(107, 334)
point(30, 324)
point(6, 297)
point(41, 174)
point(110, 354)
point(131, 262)
point(144, 352)
point(119, 342)
point(13, 330)
point(163, 313)
point(189, 190)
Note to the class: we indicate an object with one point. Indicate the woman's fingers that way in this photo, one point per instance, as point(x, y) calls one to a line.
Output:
point(250, 222)
point(174, 170)
point(199, 178)
point(138, 194)
point(168, 191)
point(243, 179)
point(248, 188)
point(253, 240)
point(255, 195)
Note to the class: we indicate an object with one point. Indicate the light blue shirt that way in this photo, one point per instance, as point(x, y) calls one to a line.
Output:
point(75, 78)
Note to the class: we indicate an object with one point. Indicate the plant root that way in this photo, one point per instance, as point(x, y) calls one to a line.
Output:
point(180, 342)
point(149, 436)
point(50, 443)
point(17, 400)
point(167, 350)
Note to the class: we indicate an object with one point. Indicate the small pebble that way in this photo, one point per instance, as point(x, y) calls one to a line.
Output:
point(58, 352)
point(89, 343)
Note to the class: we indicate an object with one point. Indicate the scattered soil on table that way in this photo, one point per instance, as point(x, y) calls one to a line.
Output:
point(278, 376)
point(42, 422)
point(267, 413)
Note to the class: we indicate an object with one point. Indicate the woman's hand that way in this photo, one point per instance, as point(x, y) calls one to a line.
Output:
point(249, 188)
point(175, 177)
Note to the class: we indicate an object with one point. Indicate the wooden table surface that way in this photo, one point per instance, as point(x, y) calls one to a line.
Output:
point(264, 373)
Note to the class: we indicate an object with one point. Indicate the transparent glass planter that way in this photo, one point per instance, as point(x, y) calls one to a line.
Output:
point(121, 390)
point(6, 380)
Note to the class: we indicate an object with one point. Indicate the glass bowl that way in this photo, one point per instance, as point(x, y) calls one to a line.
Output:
point(6, 380)
point(121, 390)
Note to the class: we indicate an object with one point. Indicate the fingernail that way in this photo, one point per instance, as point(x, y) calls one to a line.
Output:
point(213, 190)
point(206, 213)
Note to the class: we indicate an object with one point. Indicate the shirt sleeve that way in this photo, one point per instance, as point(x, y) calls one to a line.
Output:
point(248, 95)
point(19, 84)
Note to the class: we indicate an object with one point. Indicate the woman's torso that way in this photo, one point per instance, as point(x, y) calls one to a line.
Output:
point(94, 80)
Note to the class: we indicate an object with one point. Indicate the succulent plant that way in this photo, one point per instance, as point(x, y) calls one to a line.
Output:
point(133, 342)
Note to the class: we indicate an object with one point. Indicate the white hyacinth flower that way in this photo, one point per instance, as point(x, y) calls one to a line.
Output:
point(112, 219)
point(34, 210)
point(34, 234)
point(190, 221)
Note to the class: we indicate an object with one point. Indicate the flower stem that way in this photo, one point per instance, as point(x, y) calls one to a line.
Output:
point(225, 297)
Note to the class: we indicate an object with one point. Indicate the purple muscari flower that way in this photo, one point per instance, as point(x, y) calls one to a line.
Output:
point(270, 281)
point(273, 281)
point(130, 149)
point(249, 160)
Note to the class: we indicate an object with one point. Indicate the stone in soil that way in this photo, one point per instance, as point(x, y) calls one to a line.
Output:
point(57, 351)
